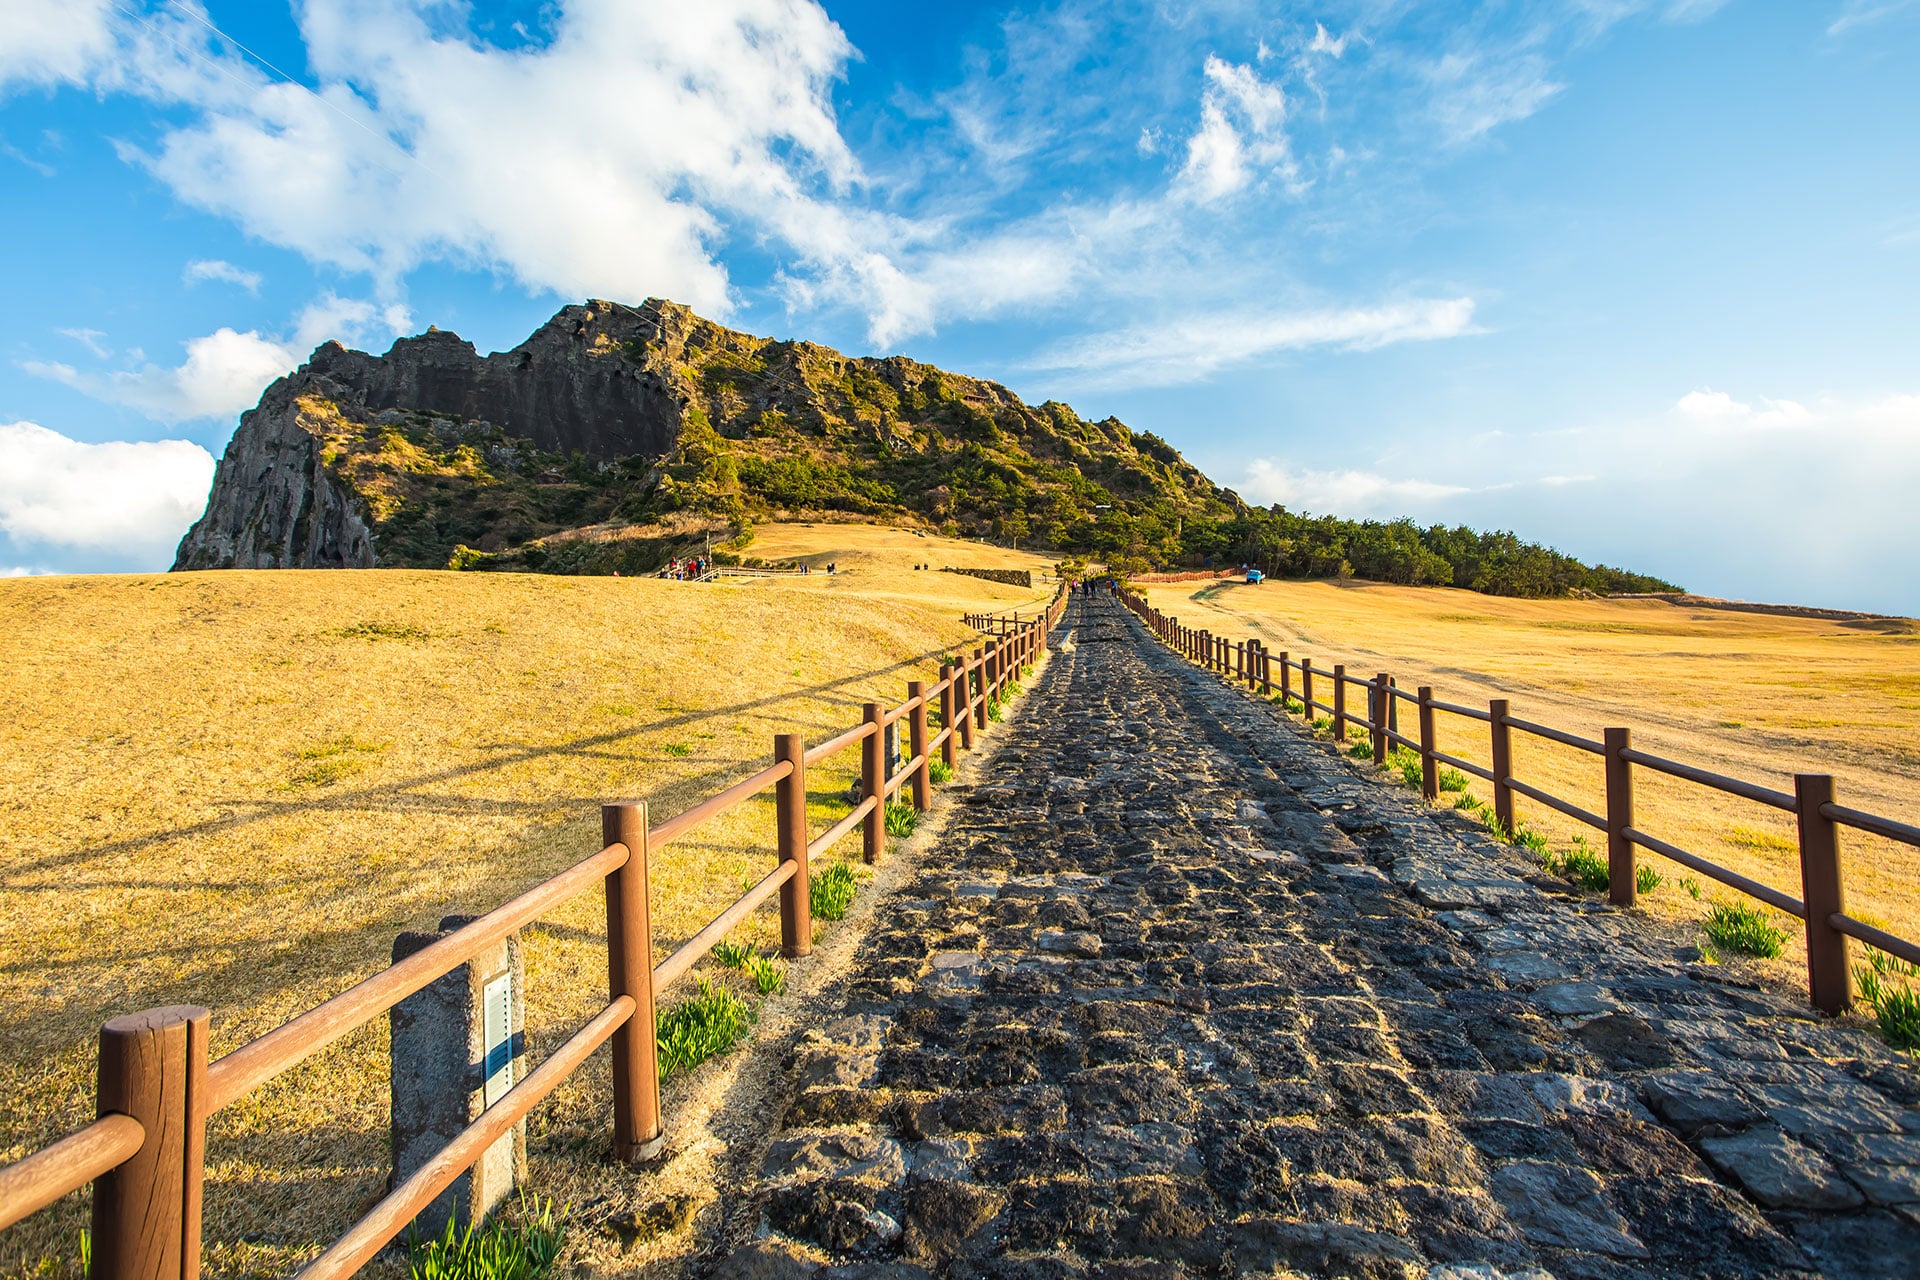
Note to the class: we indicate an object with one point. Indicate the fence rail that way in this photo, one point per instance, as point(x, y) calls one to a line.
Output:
point(1822, 905)
point(145, 1154)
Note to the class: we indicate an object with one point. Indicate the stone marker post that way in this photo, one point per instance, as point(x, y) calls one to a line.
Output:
point(458, 1046)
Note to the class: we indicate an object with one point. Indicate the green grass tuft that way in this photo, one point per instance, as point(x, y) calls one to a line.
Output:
point(702, 1026)
point(769, 979)
point(832, 889)
point(1452, 780)
point(1468, 803)
point(1885, 984)
point(1692, 887)
point(1646, 879)
point(1736, 926)
point(940, 771)
point(901, 819)
point(1585, 868)
point(504, 1247)
point(1361, 751)
point(734, 955)
point(1408, 763)
point(678, 749)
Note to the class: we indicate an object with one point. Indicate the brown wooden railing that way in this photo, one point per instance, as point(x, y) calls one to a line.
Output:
point(1822, 902)
point(145, 1154)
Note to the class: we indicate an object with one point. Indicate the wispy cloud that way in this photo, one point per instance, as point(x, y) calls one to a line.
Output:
point(90, 339)
point(202, 269)
point(1190, 348)
point(225, 371)
point(1861, 13)
point(1475, 92)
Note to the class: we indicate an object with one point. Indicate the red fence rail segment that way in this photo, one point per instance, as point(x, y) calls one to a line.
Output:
point(1820, 817)
point(252, 1065)
point(694, 949)
point(391, 1216)
point(1875, 937)
point(146, 1152)
point(36, 1181)
point(1719, 782)
point(1555, 735)
point(1896, 831)
point(715, 805)
point(1732, 879)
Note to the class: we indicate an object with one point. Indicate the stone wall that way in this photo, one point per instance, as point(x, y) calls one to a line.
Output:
point(1007, 577)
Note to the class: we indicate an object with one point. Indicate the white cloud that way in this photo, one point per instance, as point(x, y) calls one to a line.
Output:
point(1243, 125)
point(612, 160)
point(225, 371)
point(1323, 43)
point(1356, 494)
point(214, 269)
point(68, 499)
point(52, 42)
point(1192, 347)
point(1474, 94)
point(1717, 408)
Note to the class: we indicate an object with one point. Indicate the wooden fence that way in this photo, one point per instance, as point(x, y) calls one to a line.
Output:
point(1822, 901)
point(145, 1155)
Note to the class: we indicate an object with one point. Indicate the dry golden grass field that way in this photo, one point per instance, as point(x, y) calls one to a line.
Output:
point(234, 789)
point(1752, 696)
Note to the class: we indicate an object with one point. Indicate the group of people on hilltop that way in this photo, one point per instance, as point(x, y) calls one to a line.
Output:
point(1094, 586)
point(688, 570)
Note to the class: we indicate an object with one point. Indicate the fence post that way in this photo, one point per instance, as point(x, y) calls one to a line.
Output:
point(1306, 689)
point(1286, 679)
point(1393, 706)
point(1823, 892)
point(790, 836)
point(962, 702)
point(636, 1074)
point(1382, 696)
point(1339, 702)
point(1240, 661)
point(917, 746)
point(977, 710)
point(1621, 887)
point(949, 752)
point(873, 782)
point(1429, 767)
point(146, 1213)
point(1497, 710)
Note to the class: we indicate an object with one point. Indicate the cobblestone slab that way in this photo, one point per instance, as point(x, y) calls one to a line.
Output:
point(1184, 994)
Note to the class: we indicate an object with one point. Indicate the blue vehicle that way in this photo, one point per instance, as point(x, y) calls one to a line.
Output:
point(1256, 577)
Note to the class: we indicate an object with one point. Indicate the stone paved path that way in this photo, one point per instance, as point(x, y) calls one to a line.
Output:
point(1183, 993)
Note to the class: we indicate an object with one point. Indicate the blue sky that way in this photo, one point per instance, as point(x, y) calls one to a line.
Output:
point(1636, 278)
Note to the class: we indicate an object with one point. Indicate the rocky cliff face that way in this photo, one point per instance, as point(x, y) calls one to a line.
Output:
point(612, 418)
point(274, 503)
point(283, 496)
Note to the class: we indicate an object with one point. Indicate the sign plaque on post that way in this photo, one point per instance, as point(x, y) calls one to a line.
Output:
point(458, 1046)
